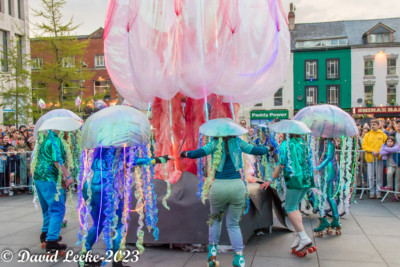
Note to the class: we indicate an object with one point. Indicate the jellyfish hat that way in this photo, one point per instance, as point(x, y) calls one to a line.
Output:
point(329, 122)
point(115, 141)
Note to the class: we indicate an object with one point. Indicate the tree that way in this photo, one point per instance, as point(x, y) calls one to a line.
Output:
point(62, 67)
point(15, 82)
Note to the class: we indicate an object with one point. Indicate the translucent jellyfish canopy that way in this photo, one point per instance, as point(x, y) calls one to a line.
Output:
point(290, 127)
point(116, 126)
point(157, 48)
point(327, 121)
point(66, 124)
point(57, 113)
point(222, 127)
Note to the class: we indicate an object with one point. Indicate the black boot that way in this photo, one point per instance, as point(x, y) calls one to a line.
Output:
point(54, 246)
point(43, 236)
point(118, 264)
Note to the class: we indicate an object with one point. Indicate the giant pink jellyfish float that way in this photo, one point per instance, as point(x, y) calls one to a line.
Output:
point(211, 55)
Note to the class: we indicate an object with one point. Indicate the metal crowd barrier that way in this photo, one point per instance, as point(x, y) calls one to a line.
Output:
point(375, 172)
point(16, 166)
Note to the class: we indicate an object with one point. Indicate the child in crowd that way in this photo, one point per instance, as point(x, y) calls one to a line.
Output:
point(12, 164)
point(388, 151)
point(3, 162)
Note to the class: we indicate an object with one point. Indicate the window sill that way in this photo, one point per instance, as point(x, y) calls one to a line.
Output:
point(100, 67)
point(369, 77)
point(392, 76)
point(332, 79)
point(310, 80)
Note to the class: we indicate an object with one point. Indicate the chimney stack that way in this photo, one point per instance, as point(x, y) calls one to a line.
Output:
point(291, 17)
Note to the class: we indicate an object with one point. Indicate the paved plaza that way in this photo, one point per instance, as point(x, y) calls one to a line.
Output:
point(371, 237)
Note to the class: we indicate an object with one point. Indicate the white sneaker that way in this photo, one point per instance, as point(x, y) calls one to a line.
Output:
point(12, 184)
point(296, 241)
point(11, 193)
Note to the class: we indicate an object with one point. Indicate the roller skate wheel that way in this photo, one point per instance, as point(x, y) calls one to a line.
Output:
point(301, 254)
point(314, 248)
point(310, 250)
point(62, 253)
point(293, 250)
point(329, 231)
point(43, 245)
point(338, 232)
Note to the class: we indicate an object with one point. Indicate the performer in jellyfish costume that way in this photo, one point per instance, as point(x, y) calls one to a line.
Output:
point(295, 160)
point(52, 164)
point(228, 194)
point(266, 163)
point(335, 174)
point(115, 158)
point(71, 141)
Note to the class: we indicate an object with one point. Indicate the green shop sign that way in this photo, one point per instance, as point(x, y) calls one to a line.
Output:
point(269, 114)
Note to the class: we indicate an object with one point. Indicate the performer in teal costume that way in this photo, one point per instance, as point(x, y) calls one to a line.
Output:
point(228, 192)
point(297, 172)
point(49, 168)
point(330, 164)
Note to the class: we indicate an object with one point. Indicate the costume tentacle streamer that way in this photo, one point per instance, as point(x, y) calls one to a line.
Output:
point(216, 160)
point(200, 170)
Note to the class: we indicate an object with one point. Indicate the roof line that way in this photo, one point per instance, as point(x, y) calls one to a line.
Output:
point(304, 23)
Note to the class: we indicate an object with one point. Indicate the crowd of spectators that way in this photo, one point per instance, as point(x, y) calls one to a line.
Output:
point(16, 145)
point(380, 159)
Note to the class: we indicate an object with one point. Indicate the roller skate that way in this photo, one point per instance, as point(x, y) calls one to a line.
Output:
point(305, 246)
point(118, 264)
point(55, 248)
point(335, 224)
point(323, 224)
point(296, 242)
point(212, 256)
point(43, 236)
point(238, 261)
point(90, 263)
point(64, 223)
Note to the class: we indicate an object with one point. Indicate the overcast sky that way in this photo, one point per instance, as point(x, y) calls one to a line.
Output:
point(90, 13)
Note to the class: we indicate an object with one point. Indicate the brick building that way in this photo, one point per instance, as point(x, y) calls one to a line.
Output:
point(93, 61)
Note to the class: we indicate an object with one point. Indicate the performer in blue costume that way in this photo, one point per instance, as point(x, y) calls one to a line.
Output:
point(101, 167)
point(49, 174)
point(331, 166)
point(228, 192)
point(115, 141)
point(266, 139)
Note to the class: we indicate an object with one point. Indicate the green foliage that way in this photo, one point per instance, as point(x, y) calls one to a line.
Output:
point(62, 68)
point(15, 89)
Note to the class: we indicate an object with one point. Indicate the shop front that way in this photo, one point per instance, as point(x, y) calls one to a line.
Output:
point(265, 116)
point(390, 112)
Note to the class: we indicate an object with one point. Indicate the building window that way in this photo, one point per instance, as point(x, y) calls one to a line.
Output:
point(102, 87)
point(311, 69)
point(19, 48)
point(332, 68)
point(332, 95)
point(368, 67)
point(68, 62)
point(19, 8)
point(311, 95)
point(71, 89)
point(4, 48)
point(37, 63)
point(368, 93)
point(391, 66)
point(391, 93)
point(379, 38)
point(99, 61)
point(278, 98)
point(10, 6)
